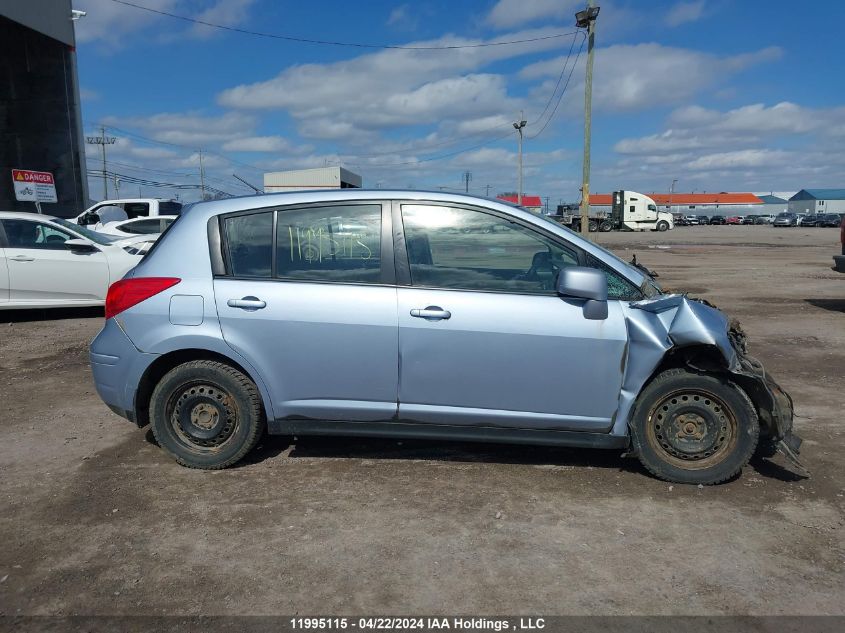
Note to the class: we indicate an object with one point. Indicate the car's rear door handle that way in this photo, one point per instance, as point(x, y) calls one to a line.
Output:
point(431, 313)
point(247, 303)
point(22, 258)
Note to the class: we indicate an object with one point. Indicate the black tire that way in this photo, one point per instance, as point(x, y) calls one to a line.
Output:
point(206, 414)
point(593, 226)
point(694, 428)
point(605, 226)
point(663, 225)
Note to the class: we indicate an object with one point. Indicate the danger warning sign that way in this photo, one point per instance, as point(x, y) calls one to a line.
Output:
point(34, 186)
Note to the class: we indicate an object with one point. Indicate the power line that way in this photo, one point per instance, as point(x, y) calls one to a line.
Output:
point(559, 78)
point(563, 92)
point(432, 158)
point(305, 40)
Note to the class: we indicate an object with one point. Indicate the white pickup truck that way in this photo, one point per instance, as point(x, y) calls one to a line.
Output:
point(126, 209)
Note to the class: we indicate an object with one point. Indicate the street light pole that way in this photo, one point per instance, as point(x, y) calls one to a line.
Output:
point(518, 125)
point(672, 193)
point(587, 19)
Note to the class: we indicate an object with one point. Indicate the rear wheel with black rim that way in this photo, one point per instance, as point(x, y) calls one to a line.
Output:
point(206, 414)
point(694, 428)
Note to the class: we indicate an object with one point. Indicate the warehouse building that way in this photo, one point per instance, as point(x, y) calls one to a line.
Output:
point(772, 204)
point(818, 201)
point(40, 120)
point(306, 179)
point(532, 203)
point(709, 204)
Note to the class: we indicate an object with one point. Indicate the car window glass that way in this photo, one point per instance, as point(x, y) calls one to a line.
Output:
point(249, 243)
point(335, 243)
point(461, 248)
point(617, 286)
point(26, 234)
point(142, 227)
point(136, 209)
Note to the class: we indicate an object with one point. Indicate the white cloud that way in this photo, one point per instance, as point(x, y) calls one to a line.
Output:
point(190, 129)
point(684, 12)
point(347, 100)
point(264, 144)
point(630, 77)
point(223, 12)
point(401, 17)
point(740, 159)
point(507, 14)
point(111, 23)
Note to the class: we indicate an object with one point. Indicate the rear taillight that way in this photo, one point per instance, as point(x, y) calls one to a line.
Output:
point(126, 293)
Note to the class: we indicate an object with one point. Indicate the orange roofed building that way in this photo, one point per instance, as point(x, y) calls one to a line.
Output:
point(721, 203)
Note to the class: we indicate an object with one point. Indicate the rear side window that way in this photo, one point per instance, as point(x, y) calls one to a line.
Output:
point(142, 227)
point(136, 209)
point(249, 244)
point(169, 207)
point(333, 243)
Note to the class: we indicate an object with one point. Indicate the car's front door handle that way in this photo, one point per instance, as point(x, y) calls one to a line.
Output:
point(431, 313)
point(22, 258)
point(247, 303)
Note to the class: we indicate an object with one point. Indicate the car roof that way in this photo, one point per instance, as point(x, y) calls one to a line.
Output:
point(26, 215)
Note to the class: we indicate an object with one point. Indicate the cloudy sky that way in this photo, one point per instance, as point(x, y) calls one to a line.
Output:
point(722, 95)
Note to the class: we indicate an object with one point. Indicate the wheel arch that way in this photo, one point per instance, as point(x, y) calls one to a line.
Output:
point(709, 359)
point(167, 361)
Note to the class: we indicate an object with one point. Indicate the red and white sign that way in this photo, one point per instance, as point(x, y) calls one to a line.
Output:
point(34, 186)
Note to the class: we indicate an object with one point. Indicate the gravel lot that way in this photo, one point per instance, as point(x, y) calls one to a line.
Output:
point(95, 519)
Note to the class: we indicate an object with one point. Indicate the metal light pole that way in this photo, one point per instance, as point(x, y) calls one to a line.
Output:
point(587, 19)
point(518, 125)
point(672, 193)
point(103, 140)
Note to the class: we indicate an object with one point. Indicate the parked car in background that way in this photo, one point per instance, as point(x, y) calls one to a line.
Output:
point(126, 209)
point(799, 218)
point(785, 218)
point(690, 220)
point(764, 219)
point(138, 226)
point(830, 220)
point(703, 219)
point(734, 219)
point(749, 219)
point(241, 316)
point(717, 219)
point(839, 260)
point(48, 262)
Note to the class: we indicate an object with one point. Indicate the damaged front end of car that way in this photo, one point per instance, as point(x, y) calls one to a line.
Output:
point(676, 330)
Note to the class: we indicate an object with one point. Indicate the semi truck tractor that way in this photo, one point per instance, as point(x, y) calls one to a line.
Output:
point(629, 211)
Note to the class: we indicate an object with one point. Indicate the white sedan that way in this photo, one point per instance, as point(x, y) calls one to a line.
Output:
point(48, 262)
point(137, 226)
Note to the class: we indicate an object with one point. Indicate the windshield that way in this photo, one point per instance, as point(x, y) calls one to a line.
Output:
point(97, 238)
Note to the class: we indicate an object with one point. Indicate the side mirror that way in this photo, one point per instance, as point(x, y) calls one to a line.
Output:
point(589, 284)
point(78, 245)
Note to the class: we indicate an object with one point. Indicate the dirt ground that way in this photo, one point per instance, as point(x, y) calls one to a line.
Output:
point(95, 519)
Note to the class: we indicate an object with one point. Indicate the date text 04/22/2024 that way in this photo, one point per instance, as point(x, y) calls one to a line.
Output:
point(417, 623)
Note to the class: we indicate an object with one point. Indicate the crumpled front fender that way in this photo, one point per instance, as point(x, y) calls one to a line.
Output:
point(670, 322)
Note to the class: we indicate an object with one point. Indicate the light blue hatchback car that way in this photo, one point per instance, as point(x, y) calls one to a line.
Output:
point(427, 315)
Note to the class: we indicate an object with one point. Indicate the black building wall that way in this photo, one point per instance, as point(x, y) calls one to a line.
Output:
point(38, 117)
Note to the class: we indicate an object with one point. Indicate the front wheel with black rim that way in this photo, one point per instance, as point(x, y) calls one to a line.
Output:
point(694, 428)
point(663, 225)
point(206, 414)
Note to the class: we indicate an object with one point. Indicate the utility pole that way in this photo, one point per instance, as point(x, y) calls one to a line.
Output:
point(546, 206)
point(518, 125)
point(202, 177)
point(487, 191)
point(587, 19)
point(672, 193)
point(467, 178)
point(102, 140)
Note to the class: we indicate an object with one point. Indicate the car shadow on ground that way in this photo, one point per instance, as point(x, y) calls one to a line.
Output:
point(440, 450)
point(834, 305)
point(51, 314)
